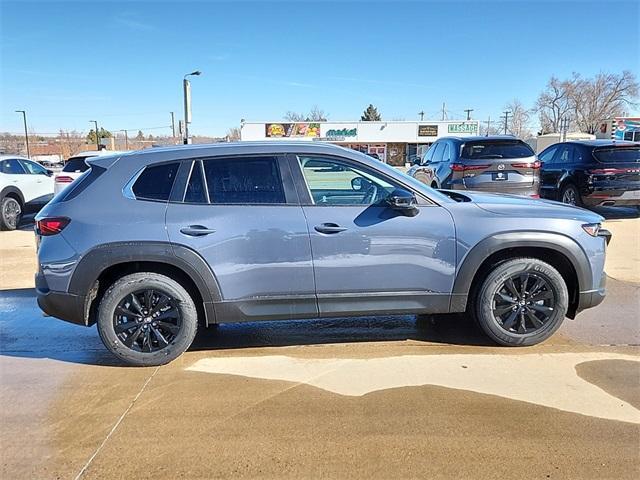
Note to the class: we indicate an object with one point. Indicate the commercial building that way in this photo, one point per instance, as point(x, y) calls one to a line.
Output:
point(621, 128)
point(393, 142)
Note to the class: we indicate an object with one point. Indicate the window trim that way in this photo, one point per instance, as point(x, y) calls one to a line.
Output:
point(17, 160)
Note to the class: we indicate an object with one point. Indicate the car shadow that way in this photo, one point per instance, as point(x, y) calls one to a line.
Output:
point(26, 333)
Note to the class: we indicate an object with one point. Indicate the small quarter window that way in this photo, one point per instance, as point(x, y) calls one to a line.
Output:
point(196, 192)
point(155, 182)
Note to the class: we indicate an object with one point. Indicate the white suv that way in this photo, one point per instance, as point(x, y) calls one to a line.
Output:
point(24, 185)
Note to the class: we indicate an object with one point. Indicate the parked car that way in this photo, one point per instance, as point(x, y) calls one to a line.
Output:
point(492, 164)
point(76, 166)
point(24, 186)
point(592, 173)
point(153, 244)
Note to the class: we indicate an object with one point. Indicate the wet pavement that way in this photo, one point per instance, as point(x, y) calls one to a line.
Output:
point(372, 397)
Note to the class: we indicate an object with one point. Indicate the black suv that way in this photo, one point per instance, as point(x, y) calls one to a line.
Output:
point(592, 173)
point(501, 164)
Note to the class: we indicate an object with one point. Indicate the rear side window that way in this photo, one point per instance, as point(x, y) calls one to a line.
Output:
point(75, 165)
point(617, 155)
point(496, 149)
point(244, 180)
point(155, 182)
point(11, 167)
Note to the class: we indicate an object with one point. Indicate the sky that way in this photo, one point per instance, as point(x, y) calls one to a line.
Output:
point(122, 63)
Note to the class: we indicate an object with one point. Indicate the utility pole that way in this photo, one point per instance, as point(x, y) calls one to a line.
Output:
point(443, 112)
point(126, 140)
point(173, 126)
point(97, 135)
point(468, 110)
point(26, 134)
point(186, 85)
point(506, 120)
point(421, 113)
point(488, 122)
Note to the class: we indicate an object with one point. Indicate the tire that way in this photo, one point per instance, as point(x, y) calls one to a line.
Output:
point(10, 213)
point(495, 315)
point(155, 337)
point(570, 195)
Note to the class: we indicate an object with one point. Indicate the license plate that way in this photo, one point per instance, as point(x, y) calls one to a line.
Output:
point(499, 176)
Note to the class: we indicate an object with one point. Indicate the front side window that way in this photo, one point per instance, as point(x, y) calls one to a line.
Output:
point(437, 153)
point(11, 167)
point(155, 182)
point(564, 155)
point(253, 180)
point(333, 182)
point(33, 168)
point(446, 155)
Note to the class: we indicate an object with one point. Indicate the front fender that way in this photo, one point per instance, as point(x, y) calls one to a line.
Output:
point(503, 241)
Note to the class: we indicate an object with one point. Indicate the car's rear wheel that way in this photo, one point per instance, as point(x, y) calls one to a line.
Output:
point(10, 213)
point(147, 319)
point(521, 302)
point(570, 195)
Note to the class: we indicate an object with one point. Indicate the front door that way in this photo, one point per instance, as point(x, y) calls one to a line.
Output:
point(367, 257)
point(242, 216)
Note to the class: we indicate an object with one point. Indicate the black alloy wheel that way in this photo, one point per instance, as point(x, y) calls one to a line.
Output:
point(147, 320)
point(524, 303)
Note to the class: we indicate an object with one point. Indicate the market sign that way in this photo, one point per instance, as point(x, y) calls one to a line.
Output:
point(337, 134)
point(279, 130)
point(427, 130)
point(463, 128)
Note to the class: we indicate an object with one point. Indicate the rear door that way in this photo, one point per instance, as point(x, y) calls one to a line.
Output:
point(242, 215)
point(548, 177)
point(497, 165)
point(367, 257)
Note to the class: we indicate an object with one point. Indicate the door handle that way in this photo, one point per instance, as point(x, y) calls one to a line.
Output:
point(196, 231)
point(329, 228)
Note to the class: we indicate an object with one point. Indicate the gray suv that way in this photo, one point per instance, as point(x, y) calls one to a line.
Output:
point(151, 245)
point(501, 164)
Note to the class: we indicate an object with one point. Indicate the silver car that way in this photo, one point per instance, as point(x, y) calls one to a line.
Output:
point(152, 245)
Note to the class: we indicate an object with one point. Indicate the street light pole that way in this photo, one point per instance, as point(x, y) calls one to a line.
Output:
point(186, 85)
point(97, 136)
point(26, 134)
point(173, 127)
point(126, 140)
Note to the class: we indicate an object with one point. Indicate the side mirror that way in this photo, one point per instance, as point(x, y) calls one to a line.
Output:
point(356, 184)
point(49, 172)
point(416, 161)
point(403, 201)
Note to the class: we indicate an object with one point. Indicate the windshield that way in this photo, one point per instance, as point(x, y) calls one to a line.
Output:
point(76, 164)
point(618, 155)
point(496, 149)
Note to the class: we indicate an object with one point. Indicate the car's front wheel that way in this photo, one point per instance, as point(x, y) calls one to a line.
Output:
point(521, 302)
point(147, 319)
point(10, 213)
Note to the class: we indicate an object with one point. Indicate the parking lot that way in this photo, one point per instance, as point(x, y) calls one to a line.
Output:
point(376, 397)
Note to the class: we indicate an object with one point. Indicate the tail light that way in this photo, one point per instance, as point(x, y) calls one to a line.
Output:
point(461, 167)
point(533, 165)
point(51, 226)
point(63, 179)
point(534, 195)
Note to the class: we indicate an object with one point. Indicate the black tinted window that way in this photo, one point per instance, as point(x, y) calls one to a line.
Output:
point(76, 164)
point(195, 188)
point(244, 180)
point(621, 155)
point(11, 167)
point(496, 149)
point(437, 152)
point(155, 182)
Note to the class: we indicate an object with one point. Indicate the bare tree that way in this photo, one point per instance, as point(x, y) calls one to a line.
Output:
point(316, 114)
point(607, 95)
point(555, 103)
point(519, 119)
point(233, 134)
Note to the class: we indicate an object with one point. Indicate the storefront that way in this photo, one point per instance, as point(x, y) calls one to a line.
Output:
point(621, 128)
point(395, 143)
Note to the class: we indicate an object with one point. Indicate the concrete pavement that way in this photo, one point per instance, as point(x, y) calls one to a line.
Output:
point(379, 397)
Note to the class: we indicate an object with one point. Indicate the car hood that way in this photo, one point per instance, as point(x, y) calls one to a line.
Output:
point(517, 206)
